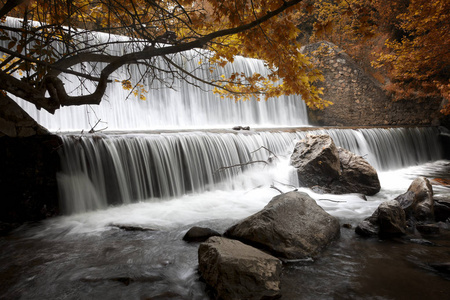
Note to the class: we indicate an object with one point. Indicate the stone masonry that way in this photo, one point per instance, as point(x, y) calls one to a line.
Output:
point(358, 98)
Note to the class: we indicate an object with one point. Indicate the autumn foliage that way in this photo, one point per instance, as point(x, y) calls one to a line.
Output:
point(39, 53)
point(405, 44)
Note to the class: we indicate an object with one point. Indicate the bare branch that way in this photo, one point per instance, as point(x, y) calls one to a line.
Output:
point(240, 165)
point(9, 6)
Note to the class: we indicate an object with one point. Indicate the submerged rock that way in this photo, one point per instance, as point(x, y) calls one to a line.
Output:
point(238, 271)
point(130, 227)
point(291, 226)
point(428, 228)
point(441, 267)
point(325, 168)
point(441, 212)
point(199, 234)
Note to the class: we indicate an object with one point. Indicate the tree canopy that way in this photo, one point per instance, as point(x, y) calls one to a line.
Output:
point(404, 43)
point(53, 38)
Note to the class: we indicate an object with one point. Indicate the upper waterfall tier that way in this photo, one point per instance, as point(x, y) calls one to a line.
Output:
point(174, 99)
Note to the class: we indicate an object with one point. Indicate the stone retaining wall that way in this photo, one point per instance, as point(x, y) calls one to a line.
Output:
point(358, 98)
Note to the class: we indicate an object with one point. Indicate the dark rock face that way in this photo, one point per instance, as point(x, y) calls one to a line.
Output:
point(388, 220)
point(423, 203)
point(428, 228)
point(441, 210)
point(414, 209)
point(367, 229)
point(291, 226)
point(406, 201)
point(238, 271)
point(326, 168)
point(316, 159)
point(28, 183)
point(358, 176)
point(199, 234)
point(15, 122)
point(391, 218)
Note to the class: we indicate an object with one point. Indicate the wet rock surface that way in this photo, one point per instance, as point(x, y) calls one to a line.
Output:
point(238, 271)
point(391, 218)
point(408, 213)
point(358, 176)
point(326, 168)
point(316, 159)
point(291, 226)
point(199, 234)
point(423, 203)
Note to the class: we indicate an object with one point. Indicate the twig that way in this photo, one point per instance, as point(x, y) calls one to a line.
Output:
point(262, 147)
point(275, 188)
point(285, 184)
point(92, 130)
point(240, 165)
point(332, 200)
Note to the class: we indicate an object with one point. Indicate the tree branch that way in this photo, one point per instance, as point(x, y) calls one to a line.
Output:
point(55, 87)
point(9, 6)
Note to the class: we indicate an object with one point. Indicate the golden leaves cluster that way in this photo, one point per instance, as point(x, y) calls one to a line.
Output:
point(419, 61)
point(274, 42)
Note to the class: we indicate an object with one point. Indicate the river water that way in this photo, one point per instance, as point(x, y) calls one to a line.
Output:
point(89, 256)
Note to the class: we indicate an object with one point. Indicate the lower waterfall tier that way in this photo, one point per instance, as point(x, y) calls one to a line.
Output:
point(102, 170)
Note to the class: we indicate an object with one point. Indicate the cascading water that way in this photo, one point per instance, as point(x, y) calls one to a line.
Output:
point(117, 169)
point(164, 183)
point(171, 101)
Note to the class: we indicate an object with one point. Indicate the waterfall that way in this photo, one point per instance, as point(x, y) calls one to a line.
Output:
point(111, 169)
point(171, 101)
point(102, 170)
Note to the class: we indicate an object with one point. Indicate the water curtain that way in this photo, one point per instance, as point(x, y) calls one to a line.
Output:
point(171, 101)
point(98, 171)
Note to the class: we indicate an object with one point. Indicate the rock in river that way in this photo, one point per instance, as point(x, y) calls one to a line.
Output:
point(238, 271)
point(291, 226)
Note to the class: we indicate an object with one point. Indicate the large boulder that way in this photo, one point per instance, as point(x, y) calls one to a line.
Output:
point(423, 203)
point(326, 168)
point(316, 159)
point(238, 271)
point(357, 175)
point(291, 226)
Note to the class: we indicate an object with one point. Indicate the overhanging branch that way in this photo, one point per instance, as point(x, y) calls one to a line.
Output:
point(54, 86)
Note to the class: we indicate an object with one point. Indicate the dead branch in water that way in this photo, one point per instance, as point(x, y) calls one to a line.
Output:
point(240, 165)
point(262, 147)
